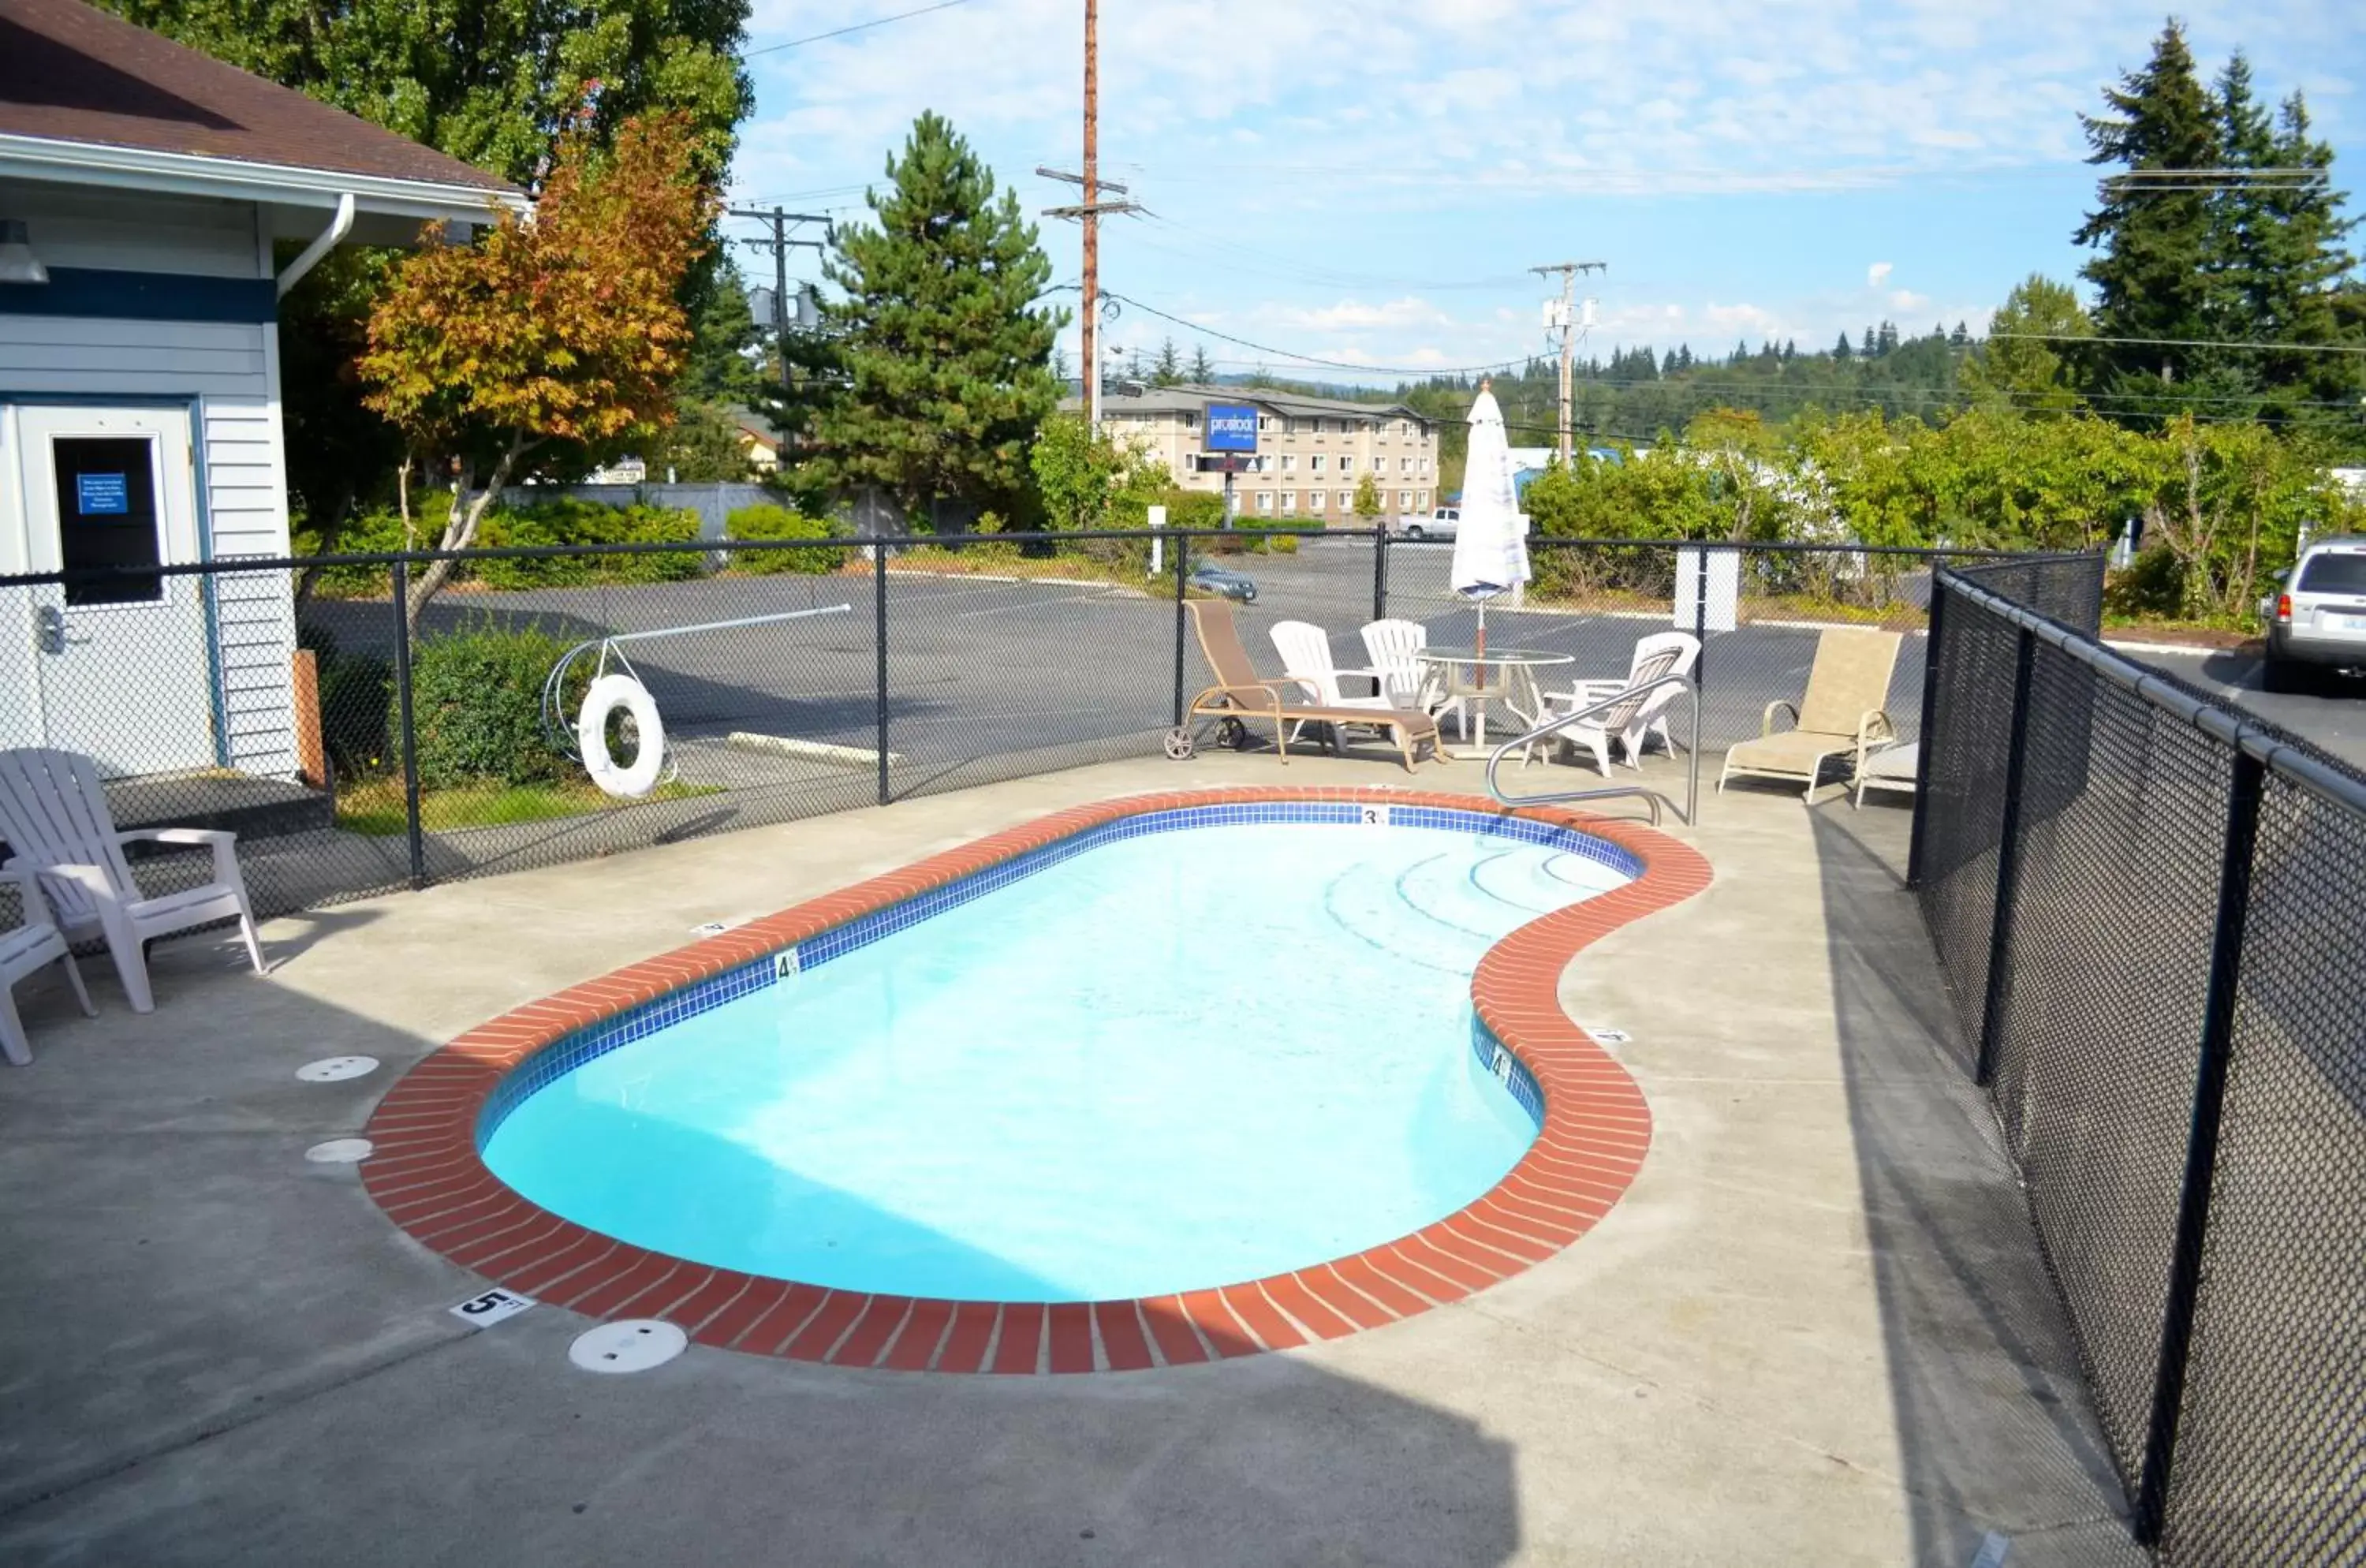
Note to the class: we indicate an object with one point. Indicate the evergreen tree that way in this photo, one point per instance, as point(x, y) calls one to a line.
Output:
point(2153, 279)
point(1872, 349)
point(1886, 344)
point(1203, 369)
point(1960, 337)
point(946, 363)
point(1790, 349)
point(2026, 363)
point(1168, 371)
point(1842, 350)
point(1669, 364)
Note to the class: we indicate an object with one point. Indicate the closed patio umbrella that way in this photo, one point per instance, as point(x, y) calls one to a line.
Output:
point(1490, 556)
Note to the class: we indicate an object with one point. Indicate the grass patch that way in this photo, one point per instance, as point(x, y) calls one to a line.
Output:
point(375, 806)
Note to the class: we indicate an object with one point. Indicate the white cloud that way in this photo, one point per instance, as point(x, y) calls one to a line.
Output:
point(1876, 274)
point(1906, 300)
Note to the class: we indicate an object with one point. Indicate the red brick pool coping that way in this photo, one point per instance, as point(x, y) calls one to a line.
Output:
point(427, 1176)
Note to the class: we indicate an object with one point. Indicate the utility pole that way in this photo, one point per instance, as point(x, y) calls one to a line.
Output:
point(1561, 314)
point(781, 245)
point(1089, 210)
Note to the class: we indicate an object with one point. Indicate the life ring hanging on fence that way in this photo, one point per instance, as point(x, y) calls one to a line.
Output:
point(608, 694)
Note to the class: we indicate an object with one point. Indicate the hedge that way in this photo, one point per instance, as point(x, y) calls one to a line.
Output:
point(476, 703)
point(765, 521)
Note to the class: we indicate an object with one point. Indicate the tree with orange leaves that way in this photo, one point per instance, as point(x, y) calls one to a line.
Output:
point(563, 330)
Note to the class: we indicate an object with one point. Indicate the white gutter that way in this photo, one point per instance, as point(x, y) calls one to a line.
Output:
point(310, 256)
point(188, 174)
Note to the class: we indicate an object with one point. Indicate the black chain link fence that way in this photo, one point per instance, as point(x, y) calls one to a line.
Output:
point(2151, 913)
point(356, 747)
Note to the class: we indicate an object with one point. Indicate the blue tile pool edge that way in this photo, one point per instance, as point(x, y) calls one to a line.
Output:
point(572, 1049)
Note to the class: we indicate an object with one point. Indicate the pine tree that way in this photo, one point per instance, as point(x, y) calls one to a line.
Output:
point(1203, 369)
point(946, 361)
point(1872, 349)
point(1790, 349)
point(1960, 337)
point(1669, 364)
point(1842, 349)
point(2153, 279)
point(1169, 368)
point(1887, 343)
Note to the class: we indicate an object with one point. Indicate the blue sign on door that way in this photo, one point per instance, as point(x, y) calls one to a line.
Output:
point(102, 495)
point(1232, 427)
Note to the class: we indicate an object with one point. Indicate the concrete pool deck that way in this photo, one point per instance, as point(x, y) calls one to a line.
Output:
point(1816, 1328)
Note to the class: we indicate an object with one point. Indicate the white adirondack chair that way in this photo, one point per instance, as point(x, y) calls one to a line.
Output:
point(57, 823)
point(1305, 650)
point(1389, 646)
point(1652, 716)
point(1663, 653)
point(31, 946)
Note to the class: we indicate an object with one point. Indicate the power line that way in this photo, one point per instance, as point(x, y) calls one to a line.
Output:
point(855, 28)
point(1314, 359)
point(2191, 343)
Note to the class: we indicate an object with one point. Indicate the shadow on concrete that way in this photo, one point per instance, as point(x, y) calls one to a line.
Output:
point(1996, 1432)
point(220, 1353)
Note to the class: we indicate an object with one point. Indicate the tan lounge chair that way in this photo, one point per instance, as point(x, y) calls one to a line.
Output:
point(1841, 715)
point(1239, 693)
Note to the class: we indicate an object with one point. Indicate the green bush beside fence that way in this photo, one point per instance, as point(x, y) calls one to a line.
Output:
point(476, 703)
point(768, 522)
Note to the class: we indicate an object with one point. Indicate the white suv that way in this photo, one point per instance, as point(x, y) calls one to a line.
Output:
point(2319, 616)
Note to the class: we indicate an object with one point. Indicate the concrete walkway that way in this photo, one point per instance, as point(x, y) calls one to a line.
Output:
point(1815, 1329)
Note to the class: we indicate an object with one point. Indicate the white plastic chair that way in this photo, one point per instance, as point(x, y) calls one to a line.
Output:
point(56, 820)
point(1660, 654)
point(1390, 646)
point(1652, 716)
point(1305, 650)
point(31, 946)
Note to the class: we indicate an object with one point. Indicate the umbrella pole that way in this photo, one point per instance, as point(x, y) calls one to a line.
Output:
point(1483, 645)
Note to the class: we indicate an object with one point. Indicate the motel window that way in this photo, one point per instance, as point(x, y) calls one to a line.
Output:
point(1404, 501)
point(1346, 464)
point(1288, 463)
point(1425, 464)
point(1314, 500)
point(1290, 500)
point(1265, 501)
point(1190, 422)
point(1265, 421)
point(1405, 465)
point(1421, 501)
point(1314, 464)
point(1347, 501)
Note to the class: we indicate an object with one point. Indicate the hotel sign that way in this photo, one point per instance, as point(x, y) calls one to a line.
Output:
point(1231, 427)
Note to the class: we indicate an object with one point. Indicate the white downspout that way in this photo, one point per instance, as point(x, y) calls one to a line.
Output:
point(310, 256)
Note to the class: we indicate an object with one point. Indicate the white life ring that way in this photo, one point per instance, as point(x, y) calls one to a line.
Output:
point(608, 694)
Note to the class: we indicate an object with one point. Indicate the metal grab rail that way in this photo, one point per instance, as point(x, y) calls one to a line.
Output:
point(1688, 813)
point(561, 734)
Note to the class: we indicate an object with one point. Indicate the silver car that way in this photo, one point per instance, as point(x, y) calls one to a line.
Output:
point(2317, 620)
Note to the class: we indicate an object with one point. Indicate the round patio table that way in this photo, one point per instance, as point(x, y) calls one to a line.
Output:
point(1463, 679)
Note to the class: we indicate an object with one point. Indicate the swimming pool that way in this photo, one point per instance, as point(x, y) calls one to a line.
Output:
point(1207, 1049)
point(1053, 1101)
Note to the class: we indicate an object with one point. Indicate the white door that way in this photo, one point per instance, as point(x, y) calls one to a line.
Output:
point(122, 667)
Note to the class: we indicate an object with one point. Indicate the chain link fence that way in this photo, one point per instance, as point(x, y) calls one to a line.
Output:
point(2151, 913)
point(358, 743)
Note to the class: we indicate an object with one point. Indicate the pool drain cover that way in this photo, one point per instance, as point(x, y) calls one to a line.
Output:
point(340, 1151)
point(334, 1069)
point(633, 1346)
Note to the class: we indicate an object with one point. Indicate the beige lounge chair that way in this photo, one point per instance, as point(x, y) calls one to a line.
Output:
point(1843, 714)
point(1239, 694)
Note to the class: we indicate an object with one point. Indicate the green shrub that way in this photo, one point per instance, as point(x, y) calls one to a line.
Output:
point(476, 703)
point(565, 521)
point(765, 521)
point(355, 689)
point(2151, 585)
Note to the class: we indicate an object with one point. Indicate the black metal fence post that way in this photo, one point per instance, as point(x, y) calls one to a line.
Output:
point(1380, 571)
point(1993, 1005)
point(1932, 655)
point(409, 738)
point(2201, 1144)
point(879, 628)
point(1700, 619)
point(1182, 570)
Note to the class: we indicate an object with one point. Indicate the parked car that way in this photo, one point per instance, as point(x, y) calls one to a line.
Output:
point(1210, 577)
point(2316, 620)
point(1439, 525)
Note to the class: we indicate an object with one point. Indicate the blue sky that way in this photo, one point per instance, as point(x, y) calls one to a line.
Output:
point(1368, 182)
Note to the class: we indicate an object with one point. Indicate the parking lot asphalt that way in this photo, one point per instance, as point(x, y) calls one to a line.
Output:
point(2333, 716)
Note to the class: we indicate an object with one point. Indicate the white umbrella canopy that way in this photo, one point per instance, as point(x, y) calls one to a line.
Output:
point(1490, 556)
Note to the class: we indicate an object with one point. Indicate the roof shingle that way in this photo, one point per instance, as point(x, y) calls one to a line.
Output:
point(72, 74)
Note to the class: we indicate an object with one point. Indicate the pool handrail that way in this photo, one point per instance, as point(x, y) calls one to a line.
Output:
point(1687, 813)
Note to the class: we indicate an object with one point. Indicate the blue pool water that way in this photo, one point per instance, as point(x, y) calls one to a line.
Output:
point(1172, 1061)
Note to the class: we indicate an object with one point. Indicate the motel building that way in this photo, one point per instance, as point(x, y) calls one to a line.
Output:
point(1311, 452)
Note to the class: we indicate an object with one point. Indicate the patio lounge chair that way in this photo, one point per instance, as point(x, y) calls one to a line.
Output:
point(1240, 694)
point(1888, 767)
point(1390, 647)
point(57, 823)
point(1841, 715)
point(1305, 650)
point(31, 946)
